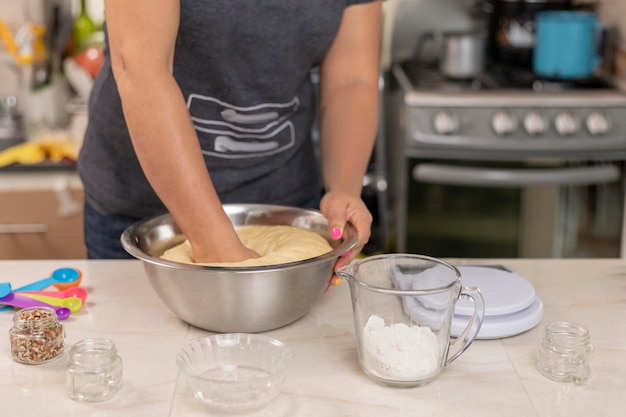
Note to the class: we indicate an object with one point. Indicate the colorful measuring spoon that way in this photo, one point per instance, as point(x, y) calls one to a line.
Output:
point(79, 292)
point(61, 275)
point(16, 300)
point(73, 303)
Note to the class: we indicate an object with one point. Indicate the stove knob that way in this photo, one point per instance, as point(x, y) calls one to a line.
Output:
point(535, 124)
point(446, 123)
point(566, 124)
point(503, 123)
point(598, 123)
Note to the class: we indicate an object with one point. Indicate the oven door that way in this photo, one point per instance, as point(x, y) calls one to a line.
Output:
point(530, 210)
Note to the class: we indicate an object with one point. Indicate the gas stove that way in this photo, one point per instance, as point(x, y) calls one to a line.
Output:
point(511, 114)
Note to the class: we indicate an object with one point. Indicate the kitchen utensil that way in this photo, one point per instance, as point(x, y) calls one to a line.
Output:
point(403, 305)
point(237, 299)
point(63, 277)
point(58, 276)
point(20, 301)
point(79, 292)
point(407, 22)
point(511, 303)
point(76, 292)
point(70, 284)
point(5, 289)
point(512, 29)
point(567, 44)
point(234, 373)
point(73, 303)
point(463, 55)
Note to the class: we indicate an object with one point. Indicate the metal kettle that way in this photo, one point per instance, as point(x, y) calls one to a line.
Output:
point(463, 55)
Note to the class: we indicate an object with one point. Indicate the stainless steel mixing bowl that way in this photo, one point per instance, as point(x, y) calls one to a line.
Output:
point(237, 299)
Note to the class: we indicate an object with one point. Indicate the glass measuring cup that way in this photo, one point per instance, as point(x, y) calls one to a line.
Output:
point(403, 306)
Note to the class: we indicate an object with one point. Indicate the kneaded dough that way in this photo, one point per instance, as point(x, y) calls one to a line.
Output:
point(275, 244)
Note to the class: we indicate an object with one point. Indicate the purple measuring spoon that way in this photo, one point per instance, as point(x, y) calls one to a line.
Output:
point(21, 301)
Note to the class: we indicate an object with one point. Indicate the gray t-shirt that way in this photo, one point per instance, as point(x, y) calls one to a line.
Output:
point(243, 67)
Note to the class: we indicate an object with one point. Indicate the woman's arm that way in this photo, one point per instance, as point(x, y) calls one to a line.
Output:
point(349, 119)
point(142, 39)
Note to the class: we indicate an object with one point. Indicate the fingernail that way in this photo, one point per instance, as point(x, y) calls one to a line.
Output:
point(335, 233)
point(343, 255)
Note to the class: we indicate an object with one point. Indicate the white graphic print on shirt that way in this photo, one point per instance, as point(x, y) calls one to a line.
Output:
point(234, 132)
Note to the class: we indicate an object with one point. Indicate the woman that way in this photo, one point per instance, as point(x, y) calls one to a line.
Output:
point(204, 103)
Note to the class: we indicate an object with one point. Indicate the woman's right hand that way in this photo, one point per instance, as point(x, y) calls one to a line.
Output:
point(218, 244)
point(234, 254)
point(163, 137)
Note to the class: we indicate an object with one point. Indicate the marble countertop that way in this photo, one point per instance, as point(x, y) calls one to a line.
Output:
point(492, 378)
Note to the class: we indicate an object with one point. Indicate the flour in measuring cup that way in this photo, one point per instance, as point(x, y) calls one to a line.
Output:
point(399, 351)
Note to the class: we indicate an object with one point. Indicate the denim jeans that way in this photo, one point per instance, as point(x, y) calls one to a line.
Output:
point(103, 230)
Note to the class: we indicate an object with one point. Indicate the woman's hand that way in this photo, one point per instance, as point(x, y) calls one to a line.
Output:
point(349, 83)
point(238, 253)
point(219, 243)
point(339, 209)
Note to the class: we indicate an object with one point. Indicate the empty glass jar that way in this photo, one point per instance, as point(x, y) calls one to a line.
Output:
point(94, 370)
point(565, 353)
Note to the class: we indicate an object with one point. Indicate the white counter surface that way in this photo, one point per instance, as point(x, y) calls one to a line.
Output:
point(38, 180)
point(492, 378)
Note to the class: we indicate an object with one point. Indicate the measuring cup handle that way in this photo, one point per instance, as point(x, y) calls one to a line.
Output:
point(465, 339)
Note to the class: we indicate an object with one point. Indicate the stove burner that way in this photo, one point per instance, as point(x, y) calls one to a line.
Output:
point(523, 78)
point(428, 77)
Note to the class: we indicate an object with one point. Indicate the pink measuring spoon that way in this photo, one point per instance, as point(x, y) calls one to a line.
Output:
point(78, 292)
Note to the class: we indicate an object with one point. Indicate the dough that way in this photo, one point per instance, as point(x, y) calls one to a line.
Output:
point(275, 244)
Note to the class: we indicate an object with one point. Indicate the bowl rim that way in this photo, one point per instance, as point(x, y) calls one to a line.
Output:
point(285, 351)
point(127, 240)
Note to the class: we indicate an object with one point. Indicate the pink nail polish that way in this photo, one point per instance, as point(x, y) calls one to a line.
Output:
point(343, 255)
point(335, 233)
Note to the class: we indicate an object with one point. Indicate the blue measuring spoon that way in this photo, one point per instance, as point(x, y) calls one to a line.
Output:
point(5, 289)
point(62, 275)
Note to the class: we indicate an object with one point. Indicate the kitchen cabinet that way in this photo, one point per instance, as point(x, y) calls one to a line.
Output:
point(41, 216)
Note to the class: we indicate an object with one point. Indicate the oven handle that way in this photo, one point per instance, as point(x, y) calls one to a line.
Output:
point(499, 177)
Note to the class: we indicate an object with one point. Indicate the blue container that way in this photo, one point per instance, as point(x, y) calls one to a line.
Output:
point(566, 45)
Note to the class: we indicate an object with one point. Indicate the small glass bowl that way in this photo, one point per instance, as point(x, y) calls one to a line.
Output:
point(234, 372)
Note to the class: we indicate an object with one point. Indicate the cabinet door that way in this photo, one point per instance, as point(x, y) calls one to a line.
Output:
point(41, 224)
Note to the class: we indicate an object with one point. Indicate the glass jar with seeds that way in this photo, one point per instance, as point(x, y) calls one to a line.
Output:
point(37, 336)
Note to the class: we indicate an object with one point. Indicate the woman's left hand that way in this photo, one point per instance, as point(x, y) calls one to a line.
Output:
point(339, 209)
